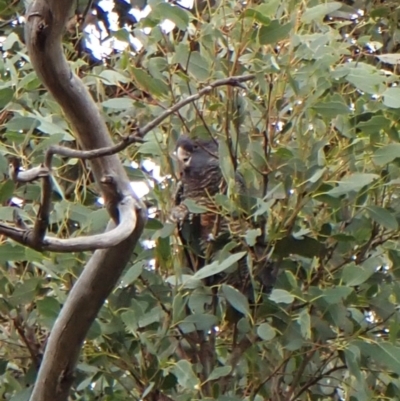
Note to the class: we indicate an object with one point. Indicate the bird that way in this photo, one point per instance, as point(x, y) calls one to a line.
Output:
point(205, 234)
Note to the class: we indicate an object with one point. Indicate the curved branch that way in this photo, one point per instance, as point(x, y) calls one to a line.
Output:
point(80, 244)
point(28, 175)
point(141, 132)
point(45, 22)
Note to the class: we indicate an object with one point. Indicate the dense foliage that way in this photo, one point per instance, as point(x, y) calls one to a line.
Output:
point(316, 136)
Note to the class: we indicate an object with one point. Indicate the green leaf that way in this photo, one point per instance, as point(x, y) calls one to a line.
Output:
point(122, 35)
point(97, 221)
point(266, 332)
point(176, 14)
point(304, 322)
point(337, 294)
point(383, 353)
point(257, 16)
point(130, 318)
point(216, 267)
point(386, 154)
point(352, 355)
point(193, 207)
point(365, 77)
point(281, 296)
point(252, 235)
point(24, 293)
point(133, 273)
point(389, 58)
point(331, 109)
point(153, 316)
point(111, 77)
point(178, 308)
point(186, 280)
point(183, 371)
point(198, 66)
point(273, 33)
point(145, 81)
point(226, 162)
point(48, 307)
point(391, 98)
point(6, 191)
point(353, 183)
point(6, 96)
point(319, 12)
point(53, 139)
point(23, 395)
point(56, 130)
point(383, 217)
point(202, 321)
point(269, 8)
point(353, 275)
point(236, 299)
point(118, 103)
point(10, 252)
point(374, 125)
point(219, 372)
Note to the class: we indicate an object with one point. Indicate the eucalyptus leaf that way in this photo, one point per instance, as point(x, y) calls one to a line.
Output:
point(236, 299)
point(217, 267)
point(319, 11)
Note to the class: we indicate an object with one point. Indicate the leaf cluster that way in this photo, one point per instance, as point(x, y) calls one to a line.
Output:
point(315, 136)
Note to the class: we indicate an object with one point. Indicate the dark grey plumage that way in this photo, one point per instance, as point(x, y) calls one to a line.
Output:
point(205, 234)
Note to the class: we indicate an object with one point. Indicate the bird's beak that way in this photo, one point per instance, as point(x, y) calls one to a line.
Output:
point(183, 156)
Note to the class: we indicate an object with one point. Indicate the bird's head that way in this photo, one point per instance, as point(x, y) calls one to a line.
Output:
point(194, 155)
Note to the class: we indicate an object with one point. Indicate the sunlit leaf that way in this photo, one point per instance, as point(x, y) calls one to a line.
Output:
point(266, 332)
point(319, 11)
point(176, 14)
point(389, 58)
point(391, 97)
point(118, 103)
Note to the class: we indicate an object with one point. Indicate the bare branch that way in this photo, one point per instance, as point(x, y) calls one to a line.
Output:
point(233, 81)
point(42, 218)
point(101, 272)
point(140, 133)
point(36, 238)
point(30, 175)
point(79, 244)
point(45, 22)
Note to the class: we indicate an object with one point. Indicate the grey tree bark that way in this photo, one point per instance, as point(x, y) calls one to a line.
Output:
point(45, 22)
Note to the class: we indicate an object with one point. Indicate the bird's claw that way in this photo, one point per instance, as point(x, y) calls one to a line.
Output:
point(179, 213)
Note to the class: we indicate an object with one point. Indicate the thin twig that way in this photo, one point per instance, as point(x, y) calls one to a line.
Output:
point(138, 135)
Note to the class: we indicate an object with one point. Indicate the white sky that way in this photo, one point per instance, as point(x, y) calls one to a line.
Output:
point(102, 47)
